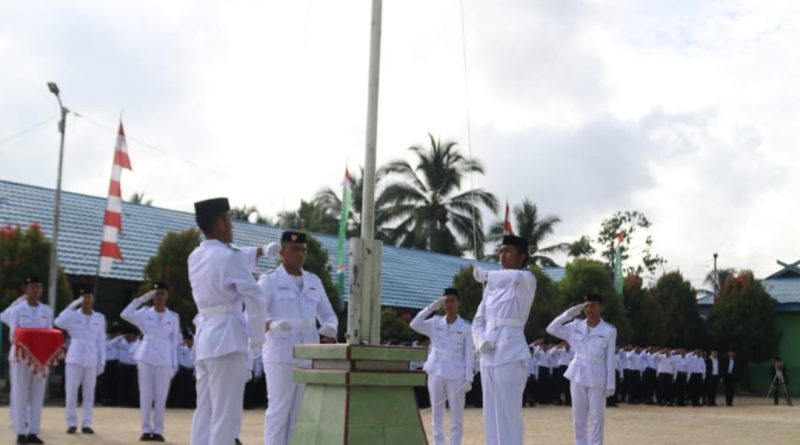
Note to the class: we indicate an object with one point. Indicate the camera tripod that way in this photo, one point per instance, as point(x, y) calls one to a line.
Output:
point(778, 384)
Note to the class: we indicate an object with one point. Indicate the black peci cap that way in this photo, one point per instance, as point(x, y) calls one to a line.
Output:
point(211, 207)
point(32, 279)
point(290, 236)
point(518, 241)
point(593, 297)
point(82, 289)
point(159, 285)
point(451, 291)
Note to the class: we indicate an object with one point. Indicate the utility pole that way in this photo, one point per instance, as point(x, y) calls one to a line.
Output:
point(52, 278)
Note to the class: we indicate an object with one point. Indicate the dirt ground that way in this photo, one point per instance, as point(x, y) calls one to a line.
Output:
point(753, 421)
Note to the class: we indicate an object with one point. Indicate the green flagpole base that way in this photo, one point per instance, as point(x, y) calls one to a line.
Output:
point(359, 395)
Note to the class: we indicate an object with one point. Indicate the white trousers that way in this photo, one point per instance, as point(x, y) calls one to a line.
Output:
point(27, 399)
point(588, 406)
point(220, 395)
point(285, 397)
point(441, 389)
point(502, 402)
point(153, 390)
point(79, 377)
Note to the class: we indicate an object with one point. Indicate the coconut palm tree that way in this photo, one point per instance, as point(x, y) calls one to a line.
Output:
point(138, 198)
point(309, 217)
point(530, 226)
point(426, 201)
point(330, 202)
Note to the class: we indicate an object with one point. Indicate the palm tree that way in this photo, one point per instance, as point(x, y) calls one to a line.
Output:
point(534, 229)
point(244, 213)
point(138, 198)
point(719, 277)
point(426, 203)
point(309, 217)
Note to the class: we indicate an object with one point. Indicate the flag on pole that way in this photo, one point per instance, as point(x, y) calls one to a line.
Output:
point(618, 286)
point(507, 229)
point(347, 185)
point(112, 221)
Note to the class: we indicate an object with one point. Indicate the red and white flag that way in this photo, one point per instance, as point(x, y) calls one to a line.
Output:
point(112, 221)
point(507, 229)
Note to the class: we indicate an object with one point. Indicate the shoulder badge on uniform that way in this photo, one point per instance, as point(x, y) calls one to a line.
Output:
point(233, 247)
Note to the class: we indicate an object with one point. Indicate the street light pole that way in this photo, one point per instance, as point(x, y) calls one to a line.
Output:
point(716, 279)
point(53, 274)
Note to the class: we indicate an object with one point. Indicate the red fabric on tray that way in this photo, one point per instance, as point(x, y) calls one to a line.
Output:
point(39, 348)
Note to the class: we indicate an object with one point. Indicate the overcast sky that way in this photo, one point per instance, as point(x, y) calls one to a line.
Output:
point(688, 111)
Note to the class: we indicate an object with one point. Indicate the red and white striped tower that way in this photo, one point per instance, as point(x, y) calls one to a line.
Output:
point(112, 221)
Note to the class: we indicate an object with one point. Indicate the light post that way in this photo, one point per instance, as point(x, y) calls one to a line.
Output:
point(53, 274)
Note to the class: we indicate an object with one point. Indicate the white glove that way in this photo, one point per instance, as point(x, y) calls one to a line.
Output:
point(486, 347)
point(76, 303)
point(480, 275)
point(437, 304)
point(609, 392)
point(101, 370)
point(327, 331)
point(281, 325)
point(576, 310)
point(467, 386)
point(271, 250)
point(147, 296)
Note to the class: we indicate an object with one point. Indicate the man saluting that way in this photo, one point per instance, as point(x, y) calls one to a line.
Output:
point(221, 284)
point(591, 372)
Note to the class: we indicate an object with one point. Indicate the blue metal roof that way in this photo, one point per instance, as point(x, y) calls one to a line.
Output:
point(786, 291)
point(409, 278)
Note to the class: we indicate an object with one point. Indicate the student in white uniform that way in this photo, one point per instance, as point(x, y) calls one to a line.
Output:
point(27, 387)
point(230, 323)
point(449, 365)
point(295, 303)
point(499, 336)
point(591, 372)
point(86, 356)
point(156, 357)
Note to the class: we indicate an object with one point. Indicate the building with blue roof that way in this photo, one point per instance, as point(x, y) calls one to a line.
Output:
point(410, 279)
point(784, 287)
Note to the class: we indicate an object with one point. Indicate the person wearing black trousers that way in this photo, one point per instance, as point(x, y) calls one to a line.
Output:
point(730, 370)
point(712, 378)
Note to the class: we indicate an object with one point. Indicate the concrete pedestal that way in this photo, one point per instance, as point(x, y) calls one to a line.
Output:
point(359, 395)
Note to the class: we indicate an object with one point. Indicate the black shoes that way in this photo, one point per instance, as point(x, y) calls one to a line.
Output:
point(237, 442)
point(157, 438)
point(22, 439)
point(33, 438)
point(72, 430)
point(146, 437)
point(87, 430)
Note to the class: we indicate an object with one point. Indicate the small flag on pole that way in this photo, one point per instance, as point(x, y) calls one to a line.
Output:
point(507, 229)
point(112, 221)
point(618, 264)
point(347, 185)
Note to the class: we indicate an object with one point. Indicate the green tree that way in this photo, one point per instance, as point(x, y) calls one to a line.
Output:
point(532, 227)
point(720, 277)
point(583, 277)
point(678, 299)
point(743, 320)
point(427, 201)
point(395, 328)
point(317, 262)
point(24, 253)
point(547, 305)
point(627, 223)
point(170, 265)
point(469, 291)
point(139, 198)
point(648, 327)
point(310, 217)
point(580, 248)
point(245, 212)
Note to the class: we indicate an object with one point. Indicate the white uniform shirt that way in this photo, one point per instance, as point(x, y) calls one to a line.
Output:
point(222, 283)
point(681, 363)
point(714, 366)
point(533, 364)
point(161, 334)
point(502, 314)
point(451, 354)
point(697, 365)
point(87, 337)
point(185, 357)
point(664, 364)
point(20, 314)
point(595, 358)
point(648, 361)
point(112, 353)
point(125, 350)
point(565, 357)
point(285, 301)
